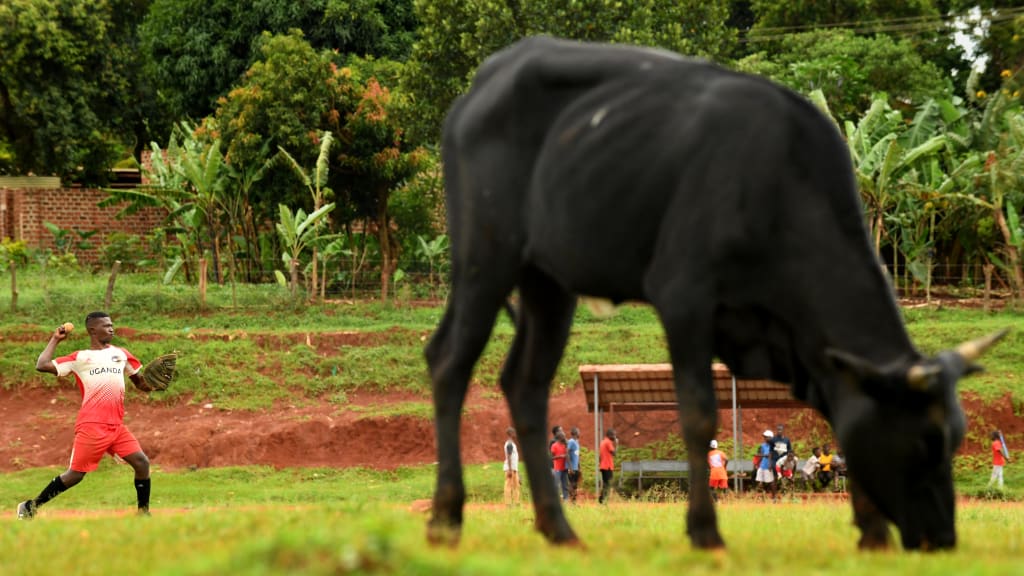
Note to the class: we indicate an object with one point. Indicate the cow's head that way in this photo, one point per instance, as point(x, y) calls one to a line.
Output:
point(899, 428)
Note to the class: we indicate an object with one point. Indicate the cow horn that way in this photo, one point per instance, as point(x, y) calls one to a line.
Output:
point(973, 349)
point(919, 376)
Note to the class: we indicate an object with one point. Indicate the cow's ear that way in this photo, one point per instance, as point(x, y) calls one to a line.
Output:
point(850, 364)
point(858, 372)
point(973, 368)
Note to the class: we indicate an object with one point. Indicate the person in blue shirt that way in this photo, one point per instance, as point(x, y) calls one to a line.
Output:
point(765, 470)
point(573, 462)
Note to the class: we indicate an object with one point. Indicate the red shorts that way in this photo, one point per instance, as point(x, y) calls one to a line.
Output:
point(719, 483)
point(93, 440)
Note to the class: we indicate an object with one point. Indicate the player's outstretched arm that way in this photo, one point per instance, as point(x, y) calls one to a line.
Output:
point(45, 361)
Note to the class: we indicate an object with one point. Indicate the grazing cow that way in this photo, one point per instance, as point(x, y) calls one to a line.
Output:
point(726, 202)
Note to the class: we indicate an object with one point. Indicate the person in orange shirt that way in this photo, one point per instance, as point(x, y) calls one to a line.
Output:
point(719, 477)
point(609, 445)
point(998, 459)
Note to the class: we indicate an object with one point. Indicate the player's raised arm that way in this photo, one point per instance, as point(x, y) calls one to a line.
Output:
point(45, 361)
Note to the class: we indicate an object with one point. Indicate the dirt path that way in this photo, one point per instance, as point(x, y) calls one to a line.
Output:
point(36, 429)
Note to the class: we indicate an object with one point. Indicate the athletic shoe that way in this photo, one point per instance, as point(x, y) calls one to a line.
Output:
point(26, 510)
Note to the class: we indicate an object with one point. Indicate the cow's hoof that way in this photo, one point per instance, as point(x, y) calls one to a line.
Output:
point(570, 542)
point(707, 541)
point(874, 544)
point(439, 534)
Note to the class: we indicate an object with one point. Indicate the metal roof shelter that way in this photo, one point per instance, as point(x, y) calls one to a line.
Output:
point(640, 387)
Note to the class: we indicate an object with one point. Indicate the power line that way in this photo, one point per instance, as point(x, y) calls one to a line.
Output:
point(909, 25)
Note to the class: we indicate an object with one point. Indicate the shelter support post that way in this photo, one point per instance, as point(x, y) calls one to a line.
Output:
point(597, 439)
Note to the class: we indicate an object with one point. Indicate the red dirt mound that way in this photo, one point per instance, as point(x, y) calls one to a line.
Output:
point(36, 429)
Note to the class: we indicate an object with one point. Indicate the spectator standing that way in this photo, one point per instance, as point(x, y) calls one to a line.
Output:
point(718, 479)
point(511, 468)
point(554, 473)
point(780, 446)
point(765, 471)
point(998, 459)
point(606, 462)
point(559, 450)
point(573, 462)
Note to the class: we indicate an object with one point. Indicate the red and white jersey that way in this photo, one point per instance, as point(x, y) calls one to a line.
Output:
point(100, 375)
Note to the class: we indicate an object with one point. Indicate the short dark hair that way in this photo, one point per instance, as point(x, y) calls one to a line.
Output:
point(94, 315)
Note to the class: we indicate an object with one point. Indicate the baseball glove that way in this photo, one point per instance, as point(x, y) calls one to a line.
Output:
point(157, 375)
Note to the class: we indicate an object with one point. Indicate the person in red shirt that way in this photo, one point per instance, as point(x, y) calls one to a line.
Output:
point(998, 459)
point(609, 445)
point(559, 453)
point(99, 428)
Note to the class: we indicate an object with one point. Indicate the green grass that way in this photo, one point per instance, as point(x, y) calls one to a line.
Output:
point(356, 521)
point(322, 521)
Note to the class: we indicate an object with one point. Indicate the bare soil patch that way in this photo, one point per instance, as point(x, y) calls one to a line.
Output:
point(36, 424)
point(36, 429)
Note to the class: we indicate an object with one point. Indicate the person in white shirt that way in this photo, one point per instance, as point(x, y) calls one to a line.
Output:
point(511, 468)
point(809, 473)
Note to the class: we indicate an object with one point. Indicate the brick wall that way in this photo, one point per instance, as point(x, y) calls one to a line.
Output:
point(24, 209)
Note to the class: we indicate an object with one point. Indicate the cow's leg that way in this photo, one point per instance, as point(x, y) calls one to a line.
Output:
point(545, 317)
point(451, 354)
point(689, 337)
point(874, 527)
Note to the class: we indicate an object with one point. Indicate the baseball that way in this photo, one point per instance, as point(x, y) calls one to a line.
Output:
point(67, 327)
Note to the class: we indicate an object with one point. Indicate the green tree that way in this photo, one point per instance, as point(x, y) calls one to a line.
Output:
point(376, 159)
point(851, 69)
point(316, 184)
point(287, 99)
point(68, 92)
point(923, 24)
point(456, 36)
point(197, 50)
point(298, 230)
point(871, 15)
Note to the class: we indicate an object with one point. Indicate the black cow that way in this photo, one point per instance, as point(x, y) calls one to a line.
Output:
point(726, 202)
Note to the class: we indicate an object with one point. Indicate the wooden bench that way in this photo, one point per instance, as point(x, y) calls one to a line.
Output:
point(677, 469)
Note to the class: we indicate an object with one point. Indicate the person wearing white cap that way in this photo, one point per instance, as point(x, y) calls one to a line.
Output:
point(718, 479)
point(765, 474)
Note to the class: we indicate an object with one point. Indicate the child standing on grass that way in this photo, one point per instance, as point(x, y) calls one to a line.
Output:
point(511, 468)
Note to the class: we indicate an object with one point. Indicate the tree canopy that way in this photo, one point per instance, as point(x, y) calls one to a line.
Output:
point(197, 50)
point(68, 93)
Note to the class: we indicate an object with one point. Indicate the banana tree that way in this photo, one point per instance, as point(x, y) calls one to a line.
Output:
point(895, 165)
point(875, 154)
point(432, 251)
point(315, 183)
point(297, 231)
point(994, 179)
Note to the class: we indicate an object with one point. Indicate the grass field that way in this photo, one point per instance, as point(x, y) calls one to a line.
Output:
point(261, 521)
point(351, 521)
